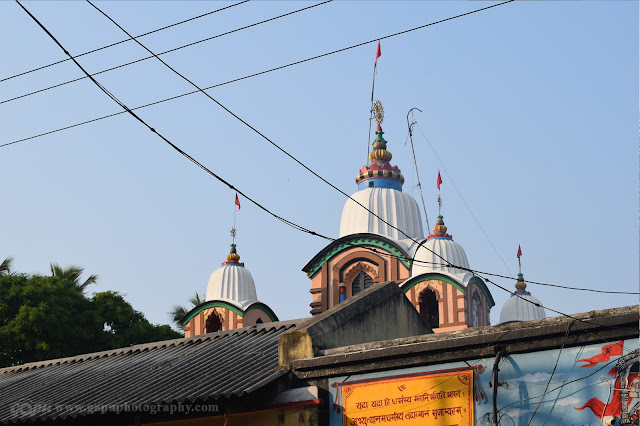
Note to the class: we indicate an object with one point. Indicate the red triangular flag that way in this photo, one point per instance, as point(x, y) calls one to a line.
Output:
point(519, 251)
point(614, 349)
point(237, 201)
point(439, 180)
point(378, 54)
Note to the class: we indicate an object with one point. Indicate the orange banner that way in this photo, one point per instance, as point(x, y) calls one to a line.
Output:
point(435, 399)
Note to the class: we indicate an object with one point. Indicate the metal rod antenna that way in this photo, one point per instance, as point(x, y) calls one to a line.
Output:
point(410, 126)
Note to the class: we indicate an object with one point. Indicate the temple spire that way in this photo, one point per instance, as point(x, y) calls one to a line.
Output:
point(372, 112)
point(521, 286)
point(440, 230)
point(378, 173)
point(233, 257)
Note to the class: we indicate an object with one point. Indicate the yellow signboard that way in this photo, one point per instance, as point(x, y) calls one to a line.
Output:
point(434, 399)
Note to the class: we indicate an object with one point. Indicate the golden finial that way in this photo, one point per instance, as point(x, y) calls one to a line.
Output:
point(233, 256)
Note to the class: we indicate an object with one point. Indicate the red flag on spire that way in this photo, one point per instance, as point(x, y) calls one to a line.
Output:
point(237, 201)
point(519, 251)
point(439, 180)
point(378, 54)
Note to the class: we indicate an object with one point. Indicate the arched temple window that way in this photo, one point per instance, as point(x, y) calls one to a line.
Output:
point(361, 282)
point(428, 306)
point(213, 323)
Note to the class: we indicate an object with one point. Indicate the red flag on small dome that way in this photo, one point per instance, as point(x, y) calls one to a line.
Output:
point(519, 251)
point(378, 54)
point(439, 180)
point(237, 201)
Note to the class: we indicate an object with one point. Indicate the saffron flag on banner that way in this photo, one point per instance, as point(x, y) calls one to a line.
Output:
point(237, 201)
point(439, 180)
point(519, 251)
point(378, 54)
point(607, 352)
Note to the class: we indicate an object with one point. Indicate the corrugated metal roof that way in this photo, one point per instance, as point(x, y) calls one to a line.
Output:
point(200, 368)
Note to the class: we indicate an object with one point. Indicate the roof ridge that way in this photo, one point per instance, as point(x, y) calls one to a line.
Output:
point(151, 346)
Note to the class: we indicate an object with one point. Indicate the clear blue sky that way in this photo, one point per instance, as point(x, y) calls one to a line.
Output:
point(532, 108)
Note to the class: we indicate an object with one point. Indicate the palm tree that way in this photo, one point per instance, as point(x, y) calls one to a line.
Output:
point(5, 266)
point(178, 311)
point(72, 275)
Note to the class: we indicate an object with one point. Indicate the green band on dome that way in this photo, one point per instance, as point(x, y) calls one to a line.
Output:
point(437, 276)
point(206, 305)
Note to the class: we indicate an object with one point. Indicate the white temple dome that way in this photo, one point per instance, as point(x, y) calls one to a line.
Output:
point(232, 283)
point(436, 251)
point(520, 306)
point(395, 207)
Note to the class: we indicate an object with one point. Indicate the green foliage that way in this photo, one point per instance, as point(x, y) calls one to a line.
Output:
point(5, 266)
point(178, 311)
point(50, 317)
point(72, 274)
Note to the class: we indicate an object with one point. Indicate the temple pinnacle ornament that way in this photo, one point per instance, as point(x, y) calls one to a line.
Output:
point(378, 112)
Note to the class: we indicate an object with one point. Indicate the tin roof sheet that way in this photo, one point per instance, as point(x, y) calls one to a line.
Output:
point(200, 368)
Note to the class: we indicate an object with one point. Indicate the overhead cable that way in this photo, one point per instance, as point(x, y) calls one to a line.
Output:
point(124, 41)
point(166, 51)
point(463, 200)
point(268, 139)
point(190, 158)
point(246, 124)
point(332, 239)
point(333, 186)
point(246, 76)
point(290, 223)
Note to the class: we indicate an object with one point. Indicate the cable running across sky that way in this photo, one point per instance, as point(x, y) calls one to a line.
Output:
point(250, 75)
point(124, 41)
point(165, 52)
point(200, 165)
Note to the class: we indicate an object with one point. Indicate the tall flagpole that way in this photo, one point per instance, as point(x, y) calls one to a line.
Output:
point(233, 230)
point(236, 210)
point(439, 198)
point(373, 85)
point(519, 266)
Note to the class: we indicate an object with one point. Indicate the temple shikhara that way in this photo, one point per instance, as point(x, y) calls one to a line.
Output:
point(381, 238)
point(230, 301)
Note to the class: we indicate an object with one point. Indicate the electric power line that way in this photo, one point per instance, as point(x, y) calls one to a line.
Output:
point(463, 200)
point(290, 223)
point(190, 158)
point(540, 305)
point(494, 248)
point(235, 116)
point(250, 75)
point(122, 105)
point(165, 52)
point(329, 238)
point(407, 259)
point(552, 373)
point(262, 135)
point(124, 41)
point(561, 286)
point(562, 385)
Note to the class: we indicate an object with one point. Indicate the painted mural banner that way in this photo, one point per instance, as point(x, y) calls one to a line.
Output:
point(591, 385)
point(444, 398)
